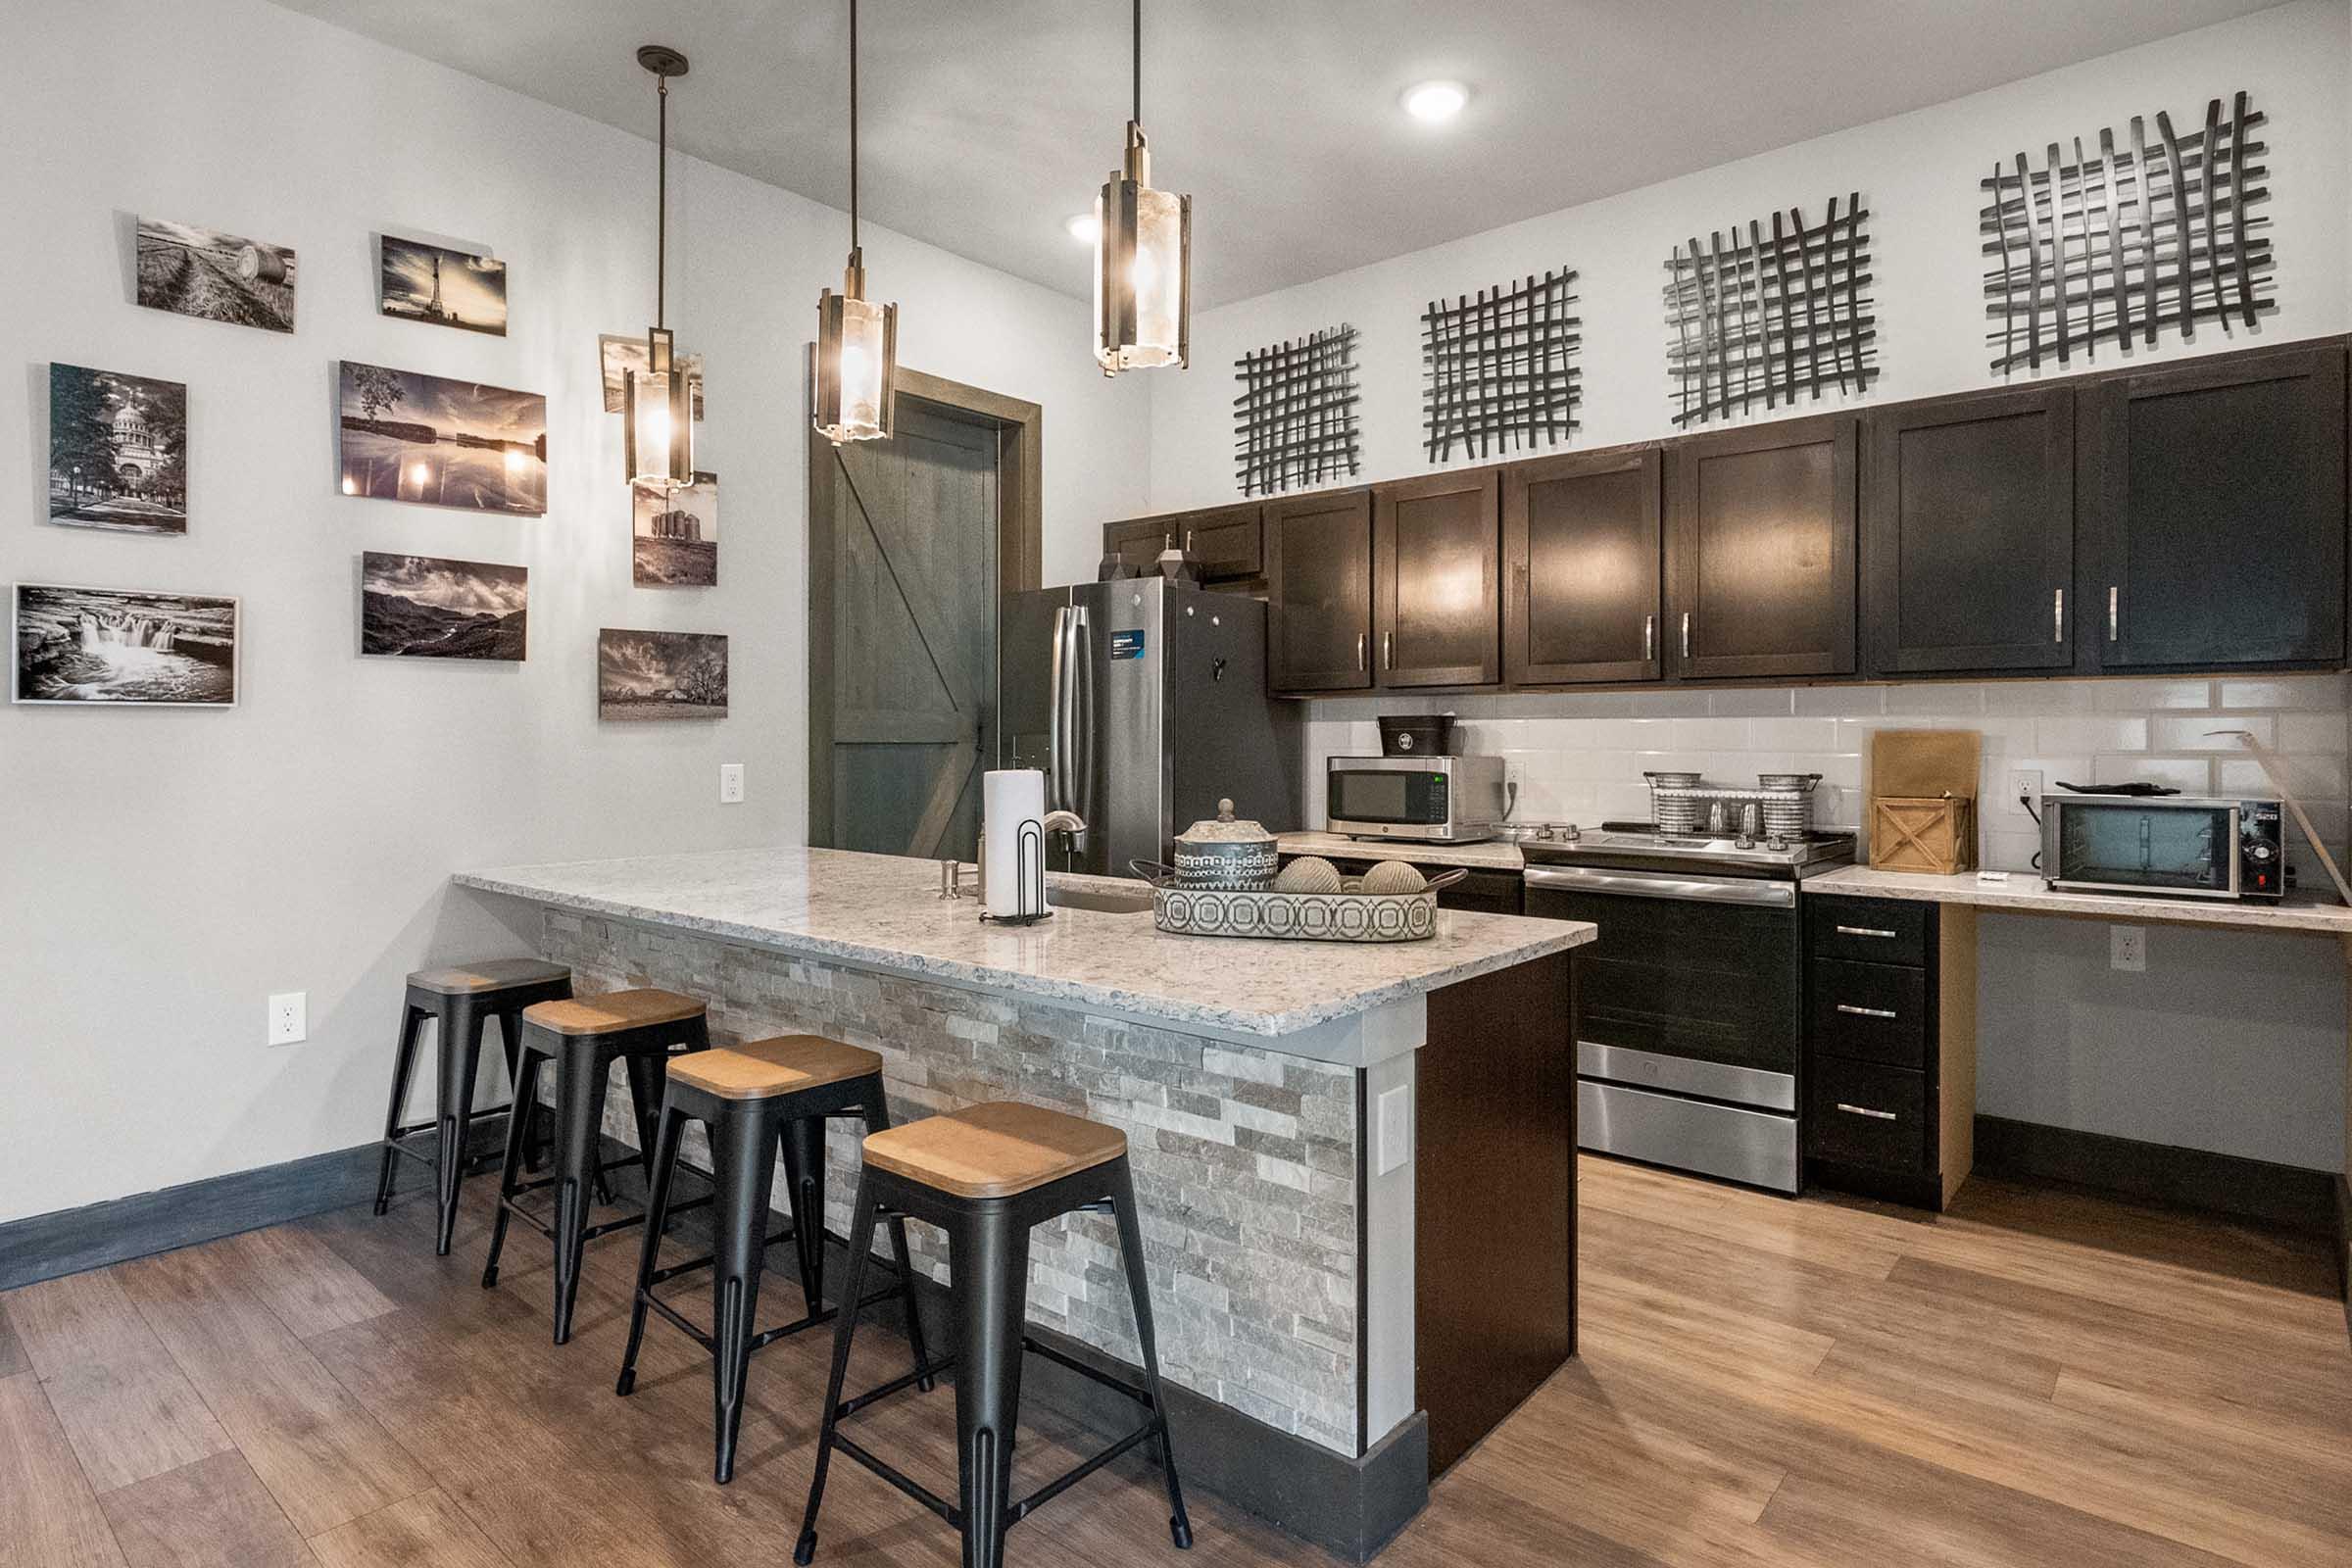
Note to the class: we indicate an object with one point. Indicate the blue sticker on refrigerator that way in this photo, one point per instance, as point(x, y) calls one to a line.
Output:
point(1127, 643)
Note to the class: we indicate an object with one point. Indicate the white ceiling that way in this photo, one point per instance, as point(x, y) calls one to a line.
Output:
point(988, 122)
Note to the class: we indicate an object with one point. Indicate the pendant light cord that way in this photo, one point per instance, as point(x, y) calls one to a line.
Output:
point(662, 217)
point(1138, 36)
point(852, 126)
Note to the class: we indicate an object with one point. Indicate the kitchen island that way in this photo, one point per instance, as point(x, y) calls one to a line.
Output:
point(1305, 1121)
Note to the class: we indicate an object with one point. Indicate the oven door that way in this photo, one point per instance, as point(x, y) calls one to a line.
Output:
point(1686, 1017)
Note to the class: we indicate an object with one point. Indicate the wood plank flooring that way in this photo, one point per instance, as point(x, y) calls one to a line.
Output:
point(2040, 1377)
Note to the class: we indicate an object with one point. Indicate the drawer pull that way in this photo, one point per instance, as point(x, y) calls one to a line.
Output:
point(1864, 931)
point(1865, 1110)
point(1865, 1012)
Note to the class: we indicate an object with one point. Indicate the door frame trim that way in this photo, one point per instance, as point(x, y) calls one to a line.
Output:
point(1020, 541)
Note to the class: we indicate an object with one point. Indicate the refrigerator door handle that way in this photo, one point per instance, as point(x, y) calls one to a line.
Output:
point(1056, 769)
point(1080, 728)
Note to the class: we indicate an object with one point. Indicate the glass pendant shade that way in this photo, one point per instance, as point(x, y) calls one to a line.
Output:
point(857, 361)
point(1143, 268)
point(659, 419)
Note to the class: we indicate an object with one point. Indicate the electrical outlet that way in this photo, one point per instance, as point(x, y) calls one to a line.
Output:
point(2025, 784)
point(2127, 947)
point(730, 783)
point(290, 1017)
point(1515, 774)
point(1394, 1138)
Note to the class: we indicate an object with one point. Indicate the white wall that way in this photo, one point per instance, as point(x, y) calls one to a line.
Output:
point(1918, 174)
point(163, 870)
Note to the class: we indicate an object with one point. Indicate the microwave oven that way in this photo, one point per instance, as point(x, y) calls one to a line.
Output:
point(1433, 800)
point(2180, 846)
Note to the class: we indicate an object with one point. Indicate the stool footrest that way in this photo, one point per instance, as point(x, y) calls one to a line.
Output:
point(904, 1483)
point(1119, 1385)
point(1070, 1478)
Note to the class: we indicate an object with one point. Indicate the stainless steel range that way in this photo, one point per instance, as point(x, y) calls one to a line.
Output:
point(1687, 1006)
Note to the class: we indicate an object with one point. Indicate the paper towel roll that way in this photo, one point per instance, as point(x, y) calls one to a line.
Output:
point(1010, 796)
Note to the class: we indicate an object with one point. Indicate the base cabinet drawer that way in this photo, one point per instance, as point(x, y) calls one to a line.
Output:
point(1868, 1011)
point(1863, 1113)
point(1868, 930)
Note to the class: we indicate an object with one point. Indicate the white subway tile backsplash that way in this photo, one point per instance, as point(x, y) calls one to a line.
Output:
point(1840, 702)
point(2285, 691)
point(2103, 734)
point(2207, 733)
point(2127, 696)
point(2040, 697)
point(1935, 699)
point(2322, 732)
point(2191, 775)
point(1747, 702)
point(2308, 779)
point(1791, 734)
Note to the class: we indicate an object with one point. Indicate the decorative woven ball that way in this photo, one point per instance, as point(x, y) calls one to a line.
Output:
point(1393, 876)
point(1310, 874)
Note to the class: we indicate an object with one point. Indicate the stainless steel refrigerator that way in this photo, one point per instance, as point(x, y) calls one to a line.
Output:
point(1144, 701)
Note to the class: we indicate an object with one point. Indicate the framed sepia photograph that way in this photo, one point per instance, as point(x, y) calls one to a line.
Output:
point(118, 451)
point(661, 674)
point(674, 536)
point(427, 607)
point(219, 277)
point(438, 442)
point(418, 282)
point(122, 647)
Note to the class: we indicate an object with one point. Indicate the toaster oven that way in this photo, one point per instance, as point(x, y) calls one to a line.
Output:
point(2181, 846)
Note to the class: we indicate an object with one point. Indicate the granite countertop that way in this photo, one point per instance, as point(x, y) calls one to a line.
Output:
point(1496, 855)
point(883, 911)
point(2024, 892)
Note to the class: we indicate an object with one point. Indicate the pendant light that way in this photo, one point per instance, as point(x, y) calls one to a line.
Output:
point(655, 402)
point(857, 340)
point(1143, 257)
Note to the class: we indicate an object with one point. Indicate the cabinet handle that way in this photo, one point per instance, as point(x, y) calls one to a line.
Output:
point(1865, 1012)
point(1865, 1110)
point(1188, 541)
point(1388, 649)
point(1649, 636)
point(1863, 931)
point(1686, 634)
point(2111, 618)
point(1167, 541)
point(2057, 614)
point(1359, 652)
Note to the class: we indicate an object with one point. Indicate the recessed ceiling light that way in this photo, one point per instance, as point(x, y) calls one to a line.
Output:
point(1084, 228)
point(1436, 102)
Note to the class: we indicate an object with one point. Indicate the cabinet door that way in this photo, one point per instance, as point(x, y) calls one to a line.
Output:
point(1969, 534)
point(1139, 541)
point(1580, 554)
point(1760, 551)
point(1437, 561)
point(1320, 591)
point(1228, 541)
point(2215, 516)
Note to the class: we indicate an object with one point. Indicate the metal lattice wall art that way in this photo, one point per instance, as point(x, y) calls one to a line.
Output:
point(1294, 421)
point(1783, 309)
point(1502, 367)
point(2133, 240)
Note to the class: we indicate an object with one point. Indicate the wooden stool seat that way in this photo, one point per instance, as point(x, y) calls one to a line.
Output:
point(993, 1150)
point(494, 974)
point(613, 1013)
point(766, 1068)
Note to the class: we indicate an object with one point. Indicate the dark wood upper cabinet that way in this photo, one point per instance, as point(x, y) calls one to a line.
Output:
point(1969, 534)
point(1436, 559)
point(1760, 551)
point(1581, 568)
point(1138, 542)
point(2214, 513)
point(1229, 540)
point(1320, 591)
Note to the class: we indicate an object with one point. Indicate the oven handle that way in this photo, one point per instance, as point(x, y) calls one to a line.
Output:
point(1640, 885)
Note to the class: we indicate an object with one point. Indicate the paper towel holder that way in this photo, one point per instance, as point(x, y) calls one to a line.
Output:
point(1029, 873)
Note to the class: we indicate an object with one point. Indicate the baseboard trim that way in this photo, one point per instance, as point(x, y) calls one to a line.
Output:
point(2284, 1196)
point(2343, 1244)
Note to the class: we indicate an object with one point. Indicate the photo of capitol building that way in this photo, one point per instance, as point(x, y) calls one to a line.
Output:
point(118, 451)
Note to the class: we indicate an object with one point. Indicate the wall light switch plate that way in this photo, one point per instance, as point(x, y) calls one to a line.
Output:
point(730, 783)
point(1393, 1139)
point(289, 1022)
point(2127, 947)
point(2024, 783)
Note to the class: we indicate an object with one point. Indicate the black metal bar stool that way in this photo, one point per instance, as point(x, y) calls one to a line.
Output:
point(459, 999)
point(985, 1175)
point(584, 1038)
point(751, 1096)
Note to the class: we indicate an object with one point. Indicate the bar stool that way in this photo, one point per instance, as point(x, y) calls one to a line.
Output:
point(985, 1175)
point(749, 1097)
point(461, 999)
point(584, 1038)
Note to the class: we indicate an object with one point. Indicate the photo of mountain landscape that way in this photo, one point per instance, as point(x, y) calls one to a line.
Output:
point(220, 278)
point(407, 436)
point(425, 607)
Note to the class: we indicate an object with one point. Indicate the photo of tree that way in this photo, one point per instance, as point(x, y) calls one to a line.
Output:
point(661, 674)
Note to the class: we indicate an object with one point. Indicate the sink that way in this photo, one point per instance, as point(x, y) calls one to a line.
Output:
point(1105, 901)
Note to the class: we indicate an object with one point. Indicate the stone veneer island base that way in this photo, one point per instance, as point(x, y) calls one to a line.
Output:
point(1350, 1158)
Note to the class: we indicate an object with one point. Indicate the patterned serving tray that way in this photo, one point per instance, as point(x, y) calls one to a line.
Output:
point(1295, 917)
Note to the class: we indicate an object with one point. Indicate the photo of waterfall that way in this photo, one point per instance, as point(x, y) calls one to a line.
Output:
point(675, 534)
point(123, 646)
point(425, 607)
point(407, 436)
point(421, 282)
point(661, 674)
